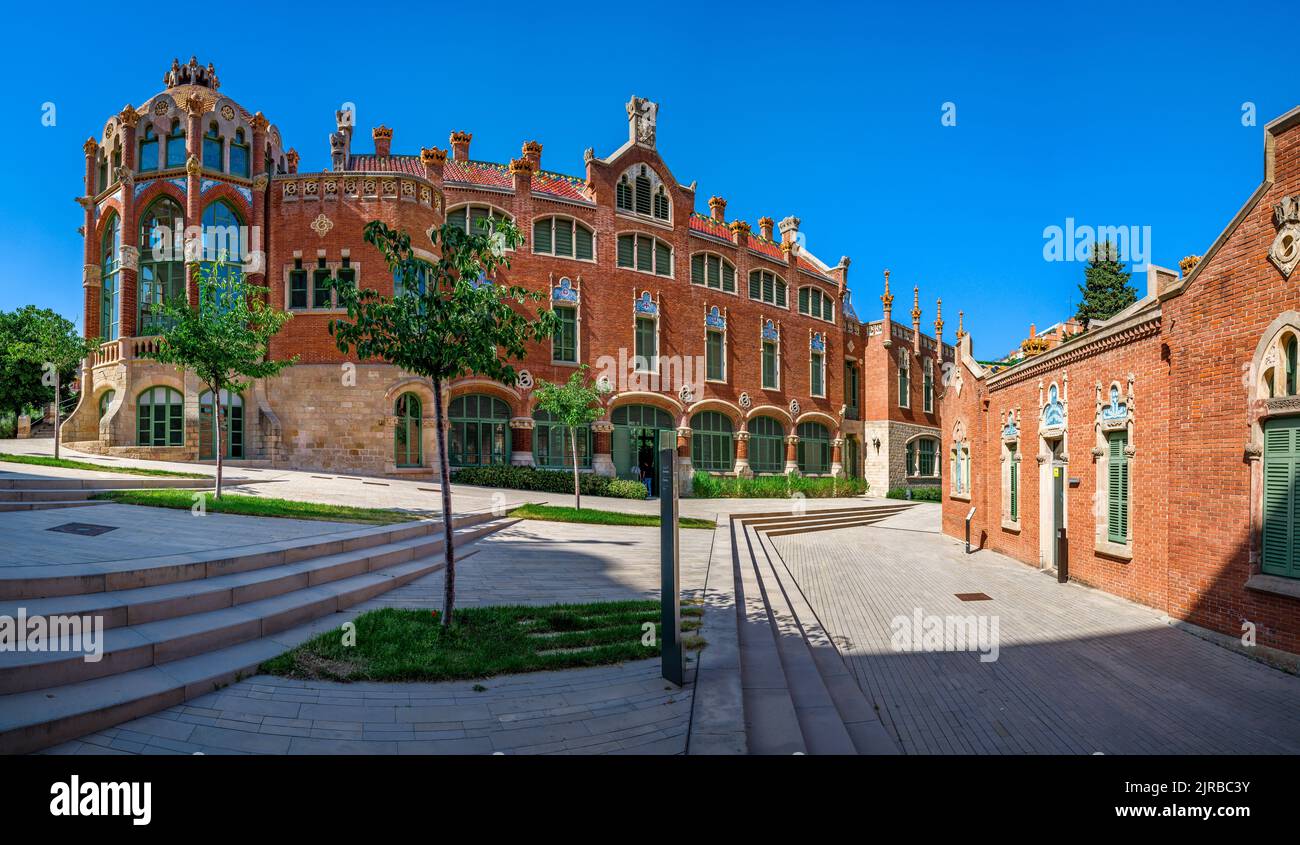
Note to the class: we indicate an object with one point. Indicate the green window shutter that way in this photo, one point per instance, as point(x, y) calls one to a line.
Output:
point(714, 354)
point(297, 288)
point(1015, 488)
point(817, 387)
point(585, 249)
point(320, 297)
point(644, 253)
point(564, 343)
point(642, 195)
point(1117, 489)
point(626, 250)
point(697, 269)
point(564, 238)
point(663, 258)
point(457, 218)
point(780, 293)
point(645, 340)
point(1281, 462)
point(755, 281)
point(728, 278)
point(478, 216)
point(804, 293)
point(769, 294)
point(714, 265)
point(542, 236)
point(769, 365)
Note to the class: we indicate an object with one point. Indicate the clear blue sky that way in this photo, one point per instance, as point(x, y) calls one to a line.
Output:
point(1112, 114)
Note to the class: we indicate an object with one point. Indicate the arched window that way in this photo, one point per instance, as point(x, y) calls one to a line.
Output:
point(640, 191)
point(645, 253)
point(766, 286)
point(148, 159)
point(638, 434)
point(110, 304)
point(232, 426)
point(712, 442)
point(160, 417)
point(408, 439)
point(816, 303)
point(102, 172)
point(240, 157)
point(223, 246)
point(176, 145)
point(766, 445)
point(713, 271)
point(105, 400)
point(961, 469)
point(553, 445)
point(214, 148)
point(474, 218)
point(162, 264)
point(563, 237)
point(479, 433)
point(923, 457)
point(814, 450)
point(623, 194)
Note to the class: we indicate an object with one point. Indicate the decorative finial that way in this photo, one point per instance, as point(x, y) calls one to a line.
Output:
point(916, 303)
point(888, 298)
point(938, 320)
point(960, 331)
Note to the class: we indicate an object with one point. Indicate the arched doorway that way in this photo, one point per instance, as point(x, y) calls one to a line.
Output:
point(636, 441)
point(232, 426)
point(408, 440)
point(480, 434)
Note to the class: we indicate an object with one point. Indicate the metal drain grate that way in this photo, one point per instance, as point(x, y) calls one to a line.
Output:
point(83, 529)
point(974, 597)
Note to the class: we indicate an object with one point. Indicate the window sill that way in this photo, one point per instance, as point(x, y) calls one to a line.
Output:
point(715, 381)
point(555, 363)
point(1120, 551)
point(565, 257)
point(1275, 585)
point(1008, 525)
point(624, 214)
point(646, 272)
point(960, 497)
point(310, 311)
point(714, 290)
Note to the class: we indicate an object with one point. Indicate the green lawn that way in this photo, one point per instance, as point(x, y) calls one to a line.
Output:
point(37, 460)
point(257, 506)
point(411, 645)
point(558, 513)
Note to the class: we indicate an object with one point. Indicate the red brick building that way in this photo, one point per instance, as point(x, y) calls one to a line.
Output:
point(738, 339)
point(1162, 446)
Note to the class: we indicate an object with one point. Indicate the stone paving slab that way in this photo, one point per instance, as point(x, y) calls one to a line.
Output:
point(1078, 671)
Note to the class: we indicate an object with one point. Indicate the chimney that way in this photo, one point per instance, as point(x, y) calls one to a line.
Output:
point(533, 152)
point(1033, 332)
point(383, 140)
point(789, 229)
point(887, 326)
point(718, 209)
point(292, 158)
point(460, 145)
point(765, 228)
point(522, 171)
point(341, 141)
point(433, 159)
point(740, 232)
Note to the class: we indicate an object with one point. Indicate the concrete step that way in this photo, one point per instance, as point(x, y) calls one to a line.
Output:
point(771, 723)
point(98, 484)
point(815, 518)
point(828, 525)
point(46, 495)
point(12, 507)
point(823, 728)
point(855, 710)
point(176, 637)
point(29, 582)
point(31, 721)
point(756, 515)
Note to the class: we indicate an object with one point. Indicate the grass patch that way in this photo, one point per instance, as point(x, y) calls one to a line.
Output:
point(558, 513)
point(411, 645)
point(38, 460)
point(257, 506)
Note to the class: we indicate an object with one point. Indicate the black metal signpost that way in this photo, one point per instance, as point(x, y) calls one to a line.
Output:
point(669, 563)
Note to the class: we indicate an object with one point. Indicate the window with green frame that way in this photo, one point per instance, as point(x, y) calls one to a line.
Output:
point(712, 442)
point(322, 294)
point(473, 218)
point(771, 366)
point(553, 447)
point(408, 434)
point(1117, 489)
point(563, 237)
point(904, 380)
point(148, 158)
point(852, 387)
point(713, 271)
point(110, 279)
point(1281, 531)
point(766, 286)
point(297, 286)
point(1014, 492)
point(926, 451)
point(645, 253)
point(766, 445)
point(564, 342)
point(647, 352)
point(176, 145)
point(161, 276)
point(817, 373)
point(927, 385)
point(160, 417)
point(480, 431)
point(814, 449)
point(715, 355)
point(223, 233)
point(816, 303)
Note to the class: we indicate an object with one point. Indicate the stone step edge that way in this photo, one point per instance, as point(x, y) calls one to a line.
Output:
point(717, 721)
point(824, 526)
point(746, 517)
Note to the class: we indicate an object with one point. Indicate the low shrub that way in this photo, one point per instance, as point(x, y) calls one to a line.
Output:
point(547, 481)
point(706, 486)
point(919, 494)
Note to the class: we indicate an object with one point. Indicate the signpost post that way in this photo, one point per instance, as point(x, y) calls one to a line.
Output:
point(669, 563)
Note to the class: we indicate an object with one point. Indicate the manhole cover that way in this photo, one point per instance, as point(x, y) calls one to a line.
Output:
point(974, 597)
point(83, 529)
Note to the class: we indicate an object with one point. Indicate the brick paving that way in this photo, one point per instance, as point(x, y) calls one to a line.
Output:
point(1078, 671)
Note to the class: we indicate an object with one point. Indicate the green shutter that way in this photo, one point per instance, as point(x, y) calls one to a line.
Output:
point(1281, 466)
point(584, 246)
point(1015, 487)
point(817, 387)
point(697, 269)
point(769, 365)
point(714, 356)
point(564, 238)
point(1117, 489)
point(780, 293)
point(754, 285)
point(714, 265)
point(663, 258)
point(803, 300)
point(626, 250)
point(728, 278)
point(542, 235)
point(645, 253)
point(478, 216)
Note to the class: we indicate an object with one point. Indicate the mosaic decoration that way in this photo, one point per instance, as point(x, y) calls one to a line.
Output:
point(1116, 410)
point(818, 342)
point(714, 319)
point(1009, 431)
point(180, 183)
point(227, 112)
point(564, 291)
point(769, 331)
point(646, 305)
point(1053, 411)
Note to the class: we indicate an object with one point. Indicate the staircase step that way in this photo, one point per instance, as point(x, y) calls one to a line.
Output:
point(750, 517)
point(821, 526)
point(53, 494)
point(813, 519)
point(102, 484)
point(179, 636)
point(12, 507)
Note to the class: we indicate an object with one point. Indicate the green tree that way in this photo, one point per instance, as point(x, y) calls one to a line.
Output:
point(1106, 290)
point(575, 403)
point(45, 348)
point(224, 338)
point(446, 319)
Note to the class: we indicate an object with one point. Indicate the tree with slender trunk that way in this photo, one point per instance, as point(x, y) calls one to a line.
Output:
point(49, 344)
point(575, 403)
point(224, 338)
point(448, 317)
point(1105, 290)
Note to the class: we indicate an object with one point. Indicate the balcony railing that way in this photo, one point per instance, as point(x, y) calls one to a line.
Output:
point(124, 349)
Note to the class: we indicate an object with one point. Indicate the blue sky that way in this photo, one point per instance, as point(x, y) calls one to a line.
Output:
point(1125, 114)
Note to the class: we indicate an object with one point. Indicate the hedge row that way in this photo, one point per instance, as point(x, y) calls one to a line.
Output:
point(548, 481)
point(708, 486)
point(919, 494)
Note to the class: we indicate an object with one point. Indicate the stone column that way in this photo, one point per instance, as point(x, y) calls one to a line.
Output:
point(685, 470)
point(791, 453)
point(194, 107)
point(602, 462)
point(837, 457)
point(255, 257)
point(742, 455)
point(521, 441)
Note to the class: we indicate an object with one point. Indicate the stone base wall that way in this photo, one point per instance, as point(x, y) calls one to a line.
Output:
point(886, 466)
